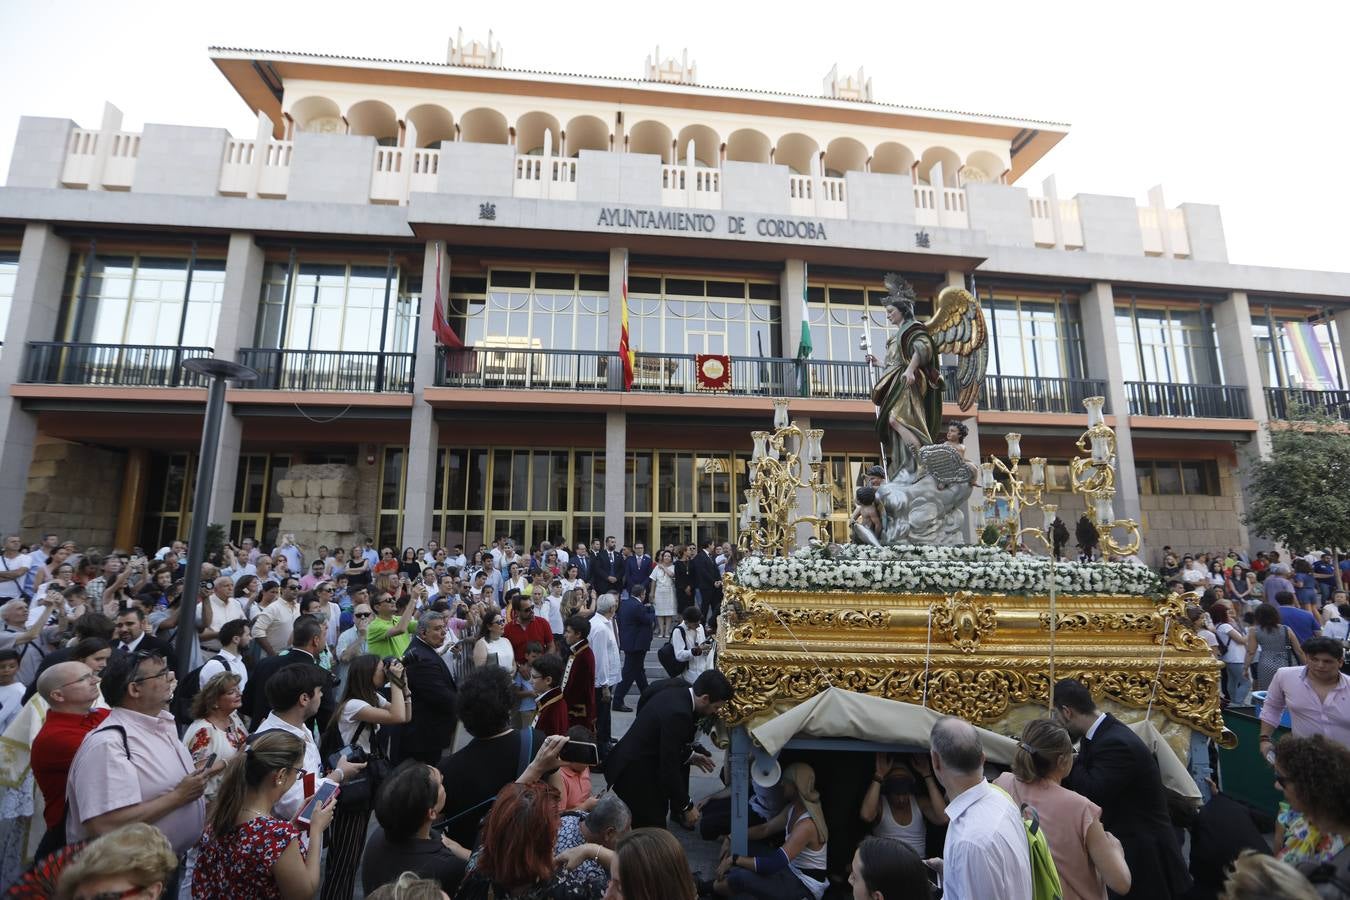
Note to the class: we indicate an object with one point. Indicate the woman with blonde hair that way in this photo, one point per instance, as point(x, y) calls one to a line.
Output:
point(1256, 876)
point(248, 852)
point(133, 862)
point(796, 870)
point(649, 864)
point(1088, 858)
point(216, 728)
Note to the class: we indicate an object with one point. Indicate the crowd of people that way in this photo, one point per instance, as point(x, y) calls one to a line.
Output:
point(426, 723)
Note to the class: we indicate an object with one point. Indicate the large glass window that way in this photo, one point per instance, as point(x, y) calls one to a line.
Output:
point(1295, 368)
point(141, 300)
point(9, 273)
point(1173, 477)
point(842, 313)
point(1167, 345)
point(338, 306)
point(1037, 336)
point(667, 314)
point(538, 310)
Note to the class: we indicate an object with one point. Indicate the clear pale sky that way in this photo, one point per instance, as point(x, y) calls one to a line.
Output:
point(1239, 104)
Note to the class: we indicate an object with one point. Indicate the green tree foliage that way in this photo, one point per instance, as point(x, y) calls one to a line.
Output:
point(1301, 495)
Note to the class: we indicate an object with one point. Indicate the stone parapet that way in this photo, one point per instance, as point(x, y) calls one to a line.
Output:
point(318, 505)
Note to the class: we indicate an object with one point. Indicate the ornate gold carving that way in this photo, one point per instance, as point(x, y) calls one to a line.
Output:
point(961, 621)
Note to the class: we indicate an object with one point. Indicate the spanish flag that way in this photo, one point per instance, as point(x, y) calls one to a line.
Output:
point(625, 350)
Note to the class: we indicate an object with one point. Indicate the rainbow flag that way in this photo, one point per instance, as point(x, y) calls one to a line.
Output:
point(1313, 368)
point(626, 354)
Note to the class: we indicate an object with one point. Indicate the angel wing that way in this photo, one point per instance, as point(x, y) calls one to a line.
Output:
point(957, 327)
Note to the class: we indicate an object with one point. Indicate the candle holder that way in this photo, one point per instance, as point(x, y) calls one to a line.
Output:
point(1094, 476)
point(1019, 493)
point(783, 462)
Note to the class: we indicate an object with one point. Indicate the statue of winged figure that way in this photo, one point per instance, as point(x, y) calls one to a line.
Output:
point(908, 394)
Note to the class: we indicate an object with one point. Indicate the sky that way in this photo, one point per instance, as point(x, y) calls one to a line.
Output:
point(1238, 104)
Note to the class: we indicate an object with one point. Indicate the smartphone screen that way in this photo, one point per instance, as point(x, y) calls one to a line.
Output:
point(325, 792)
point(580, 752)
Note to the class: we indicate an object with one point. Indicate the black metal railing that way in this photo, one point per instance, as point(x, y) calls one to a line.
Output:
point(1284, 403)
point(329, 370)
point(114, 365)
point(563, 370)
point(1021, 393)
point(1208, 401)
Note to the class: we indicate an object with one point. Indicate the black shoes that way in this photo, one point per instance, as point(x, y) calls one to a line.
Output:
point(619, 707)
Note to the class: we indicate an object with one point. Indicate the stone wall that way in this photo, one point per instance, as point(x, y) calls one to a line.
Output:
point(74, 491)
point(318, 506)
point(367, 490)
point(1190, 523)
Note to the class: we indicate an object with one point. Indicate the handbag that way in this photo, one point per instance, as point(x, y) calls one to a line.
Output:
point(358, 791)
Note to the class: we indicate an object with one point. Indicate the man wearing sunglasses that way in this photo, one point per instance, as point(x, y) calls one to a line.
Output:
point(352, 643)
point(133, 767)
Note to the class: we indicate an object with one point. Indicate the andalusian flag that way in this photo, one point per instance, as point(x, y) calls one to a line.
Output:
point(625, 350)
point(804, 344)
point(1313, 369)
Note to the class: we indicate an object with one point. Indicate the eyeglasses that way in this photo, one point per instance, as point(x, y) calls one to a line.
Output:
point(91, 677)
point(162, 672)
point(363, 615)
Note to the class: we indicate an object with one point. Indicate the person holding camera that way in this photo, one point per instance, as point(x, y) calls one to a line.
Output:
point(692, 645)
point(362, 713)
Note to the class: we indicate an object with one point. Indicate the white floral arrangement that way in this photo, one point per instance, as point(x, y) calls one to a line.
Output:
point(938, 570)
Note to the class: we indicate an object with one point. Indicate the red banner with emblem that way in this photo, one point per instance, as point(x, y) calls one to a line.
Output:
point(713, 372)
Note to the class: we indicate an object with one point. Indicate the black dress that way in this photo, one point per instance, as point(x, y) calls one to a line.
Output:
point(684, 585)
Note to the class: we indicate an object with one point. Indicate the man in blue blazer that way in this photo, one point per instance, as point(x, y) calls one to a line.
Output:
point(636, 618)
point(637, 570)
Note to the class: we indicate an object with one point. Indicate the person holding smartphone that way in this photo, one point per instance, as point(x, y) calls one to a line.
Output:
point(247, 851)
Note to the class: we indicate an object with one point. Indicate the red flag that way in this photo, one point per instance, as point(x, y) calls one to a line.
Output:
point(440, 325)
point(625, 352)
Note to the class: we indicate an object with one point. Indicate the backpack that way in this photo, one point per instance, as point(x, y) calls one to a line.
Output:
point(187, 690)
point(666, 655)
point(1044, 876)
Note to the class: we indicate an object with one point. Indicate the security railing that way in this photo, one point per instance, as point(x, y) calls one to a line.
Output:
point(112, 365)
point(329, 370)
point(1287, 403)
point(1021, 393)
point(1205, 401)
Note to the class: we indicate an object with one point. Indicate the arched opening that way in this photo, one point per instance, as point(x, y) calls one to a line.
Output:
point(844, 155)
point(317, 114)
point(530, 130)
point(748, 145)
point(951, 165)
point(483, 126)
point(434, 124)
point(796, 152)
point(892, 159)
point(586, 133)
point(650, 137)
point(375, 119)
point(982, 166)
point(707, 145)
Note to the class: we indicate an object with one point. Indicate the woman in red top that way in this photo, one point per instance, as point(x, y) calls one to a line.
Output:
point(248, 852)
point(550, 707)
point(388, 562)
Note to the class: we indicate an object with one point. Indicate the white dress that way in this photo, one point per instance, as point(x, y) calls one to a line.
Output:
point(663, 599)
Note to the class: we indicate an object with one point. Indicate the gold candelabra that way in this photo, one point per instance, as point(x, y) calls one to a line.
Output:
point(1094, 476)
point(1019, 494)
point(784, 462)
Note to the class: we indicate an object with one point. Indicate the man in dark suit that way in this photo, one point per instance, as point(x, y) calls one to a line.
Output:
point(648, 766)
point(607, 568)
point(129, 636)
point(1116, 770)
point(637, 570)
point(582, 560)
point(308, 639)
point(708, 583)
point(636, 618)
point(431, 730)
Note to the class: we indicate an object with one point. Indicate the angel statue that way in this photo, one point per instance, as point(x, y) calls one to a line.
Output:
point(908, 397)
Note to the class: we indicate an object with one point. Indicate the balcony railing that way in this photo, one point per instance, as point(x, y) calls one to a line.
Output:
point(114, 365)
point(329, 370)
point(1020, 393)
point(1283, 402)
point(1207, 401)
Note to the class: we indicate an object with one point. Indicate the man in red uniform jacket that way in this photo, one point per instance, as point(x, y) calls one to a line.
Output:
point(525, 626)
point(579, 676)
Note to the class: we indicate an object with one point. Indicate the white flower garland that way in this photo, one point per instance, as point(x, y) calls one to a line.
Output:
point(939, 570)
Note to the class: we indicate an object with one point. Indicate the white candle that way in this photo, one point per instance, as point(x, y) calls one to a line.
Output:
point(1050, 510)
point(752, 504)
point(988, 475)
point(977, 517)
point(745, 518)
point(1038, 471)
point(1094, 407)
point(1100, 451)
point(1014, 445)
point(759, 438)
point(780, 414)
point(1105, 515)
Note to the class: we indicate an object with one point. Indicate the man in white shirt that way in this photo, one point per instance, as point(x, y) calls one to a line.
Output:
point(456, 557)
point(608, 666)
point(37, 558)
point(371, 554)
point(691, 644)
point(224, 608)
point(14, 567)
point(234, 640)
point(288, 549)
point(986, 854)
point(272, 627)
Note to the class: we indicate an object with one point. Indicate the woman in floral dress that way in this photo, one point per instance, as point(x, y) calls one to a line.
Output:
point(248, 852)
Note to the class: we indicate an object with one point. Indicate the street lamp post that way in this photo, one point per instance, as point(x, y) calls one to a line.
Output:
point(219, 371)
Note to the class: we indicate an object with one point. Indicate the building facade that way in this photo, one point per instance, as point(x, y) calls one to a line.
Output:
point(536, 206)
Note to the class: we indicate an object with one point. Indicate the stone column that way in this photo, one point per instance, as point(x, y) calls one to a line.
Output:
point(1241, 366)
point(1103, 361)
point(34, 313)
point(791, 285)
point(423, 431)
point(617, 257)
point(244, 264)
point(616, 474)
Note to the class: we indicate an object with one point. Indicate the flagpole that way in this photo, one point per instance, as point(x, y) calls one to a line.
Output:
point(865, 342)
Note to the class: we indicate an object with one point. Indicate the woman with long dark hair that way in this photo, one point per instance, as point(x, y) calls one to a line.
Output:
point(1279, 646)
point(886, 869)
point(361, 714)
point(489, 642)
point(649, 864)
point(409, 565)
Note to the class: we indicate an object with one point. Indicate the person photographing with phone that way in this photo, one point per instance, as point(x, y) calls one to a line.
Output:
point(692, 645)
point(247, 850)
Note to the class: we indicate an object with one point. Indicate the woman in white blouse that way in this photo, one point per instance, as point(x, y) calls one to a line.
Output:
point(516, 579)
point(490, 642)
point(663, 595)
